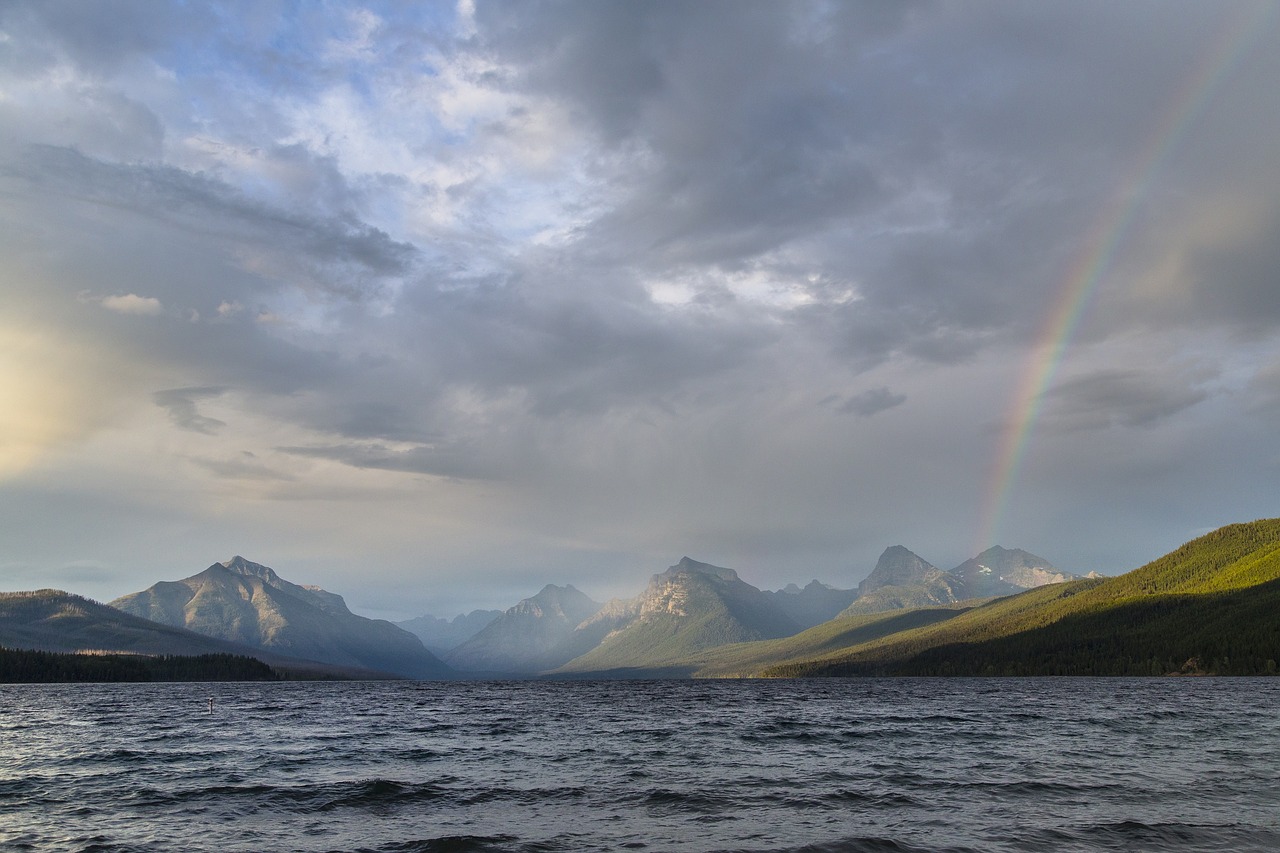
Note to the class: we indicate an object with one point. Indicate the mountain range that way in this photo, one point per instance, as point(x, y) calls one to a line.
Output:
point(55, 621)
point(442, 635)
point(695, 605)
point(249, 604)
point(1206, 607)
point(689, 608)
point(812, 604)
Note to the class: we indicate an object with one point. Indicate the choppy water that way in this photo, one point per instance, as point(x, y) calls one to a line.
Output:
point(856, 765)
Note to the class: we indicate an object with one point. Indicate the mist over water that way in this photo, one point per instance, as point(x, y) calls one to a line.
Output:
point(830, 765)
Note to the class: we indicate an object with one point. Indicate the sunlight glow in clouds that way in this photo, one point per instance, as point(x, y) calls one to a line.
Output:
point(40, 398)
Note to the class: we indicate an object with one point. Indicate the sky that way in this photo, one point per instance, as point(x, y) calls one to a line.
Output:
point(434, 304)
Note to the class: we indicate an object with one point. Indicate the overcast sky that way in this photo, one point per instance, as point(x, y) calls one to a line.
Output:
point(433, 304)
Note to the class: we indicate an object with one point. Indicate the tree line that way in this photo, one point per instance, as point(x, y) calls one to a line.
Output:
point(28, 666)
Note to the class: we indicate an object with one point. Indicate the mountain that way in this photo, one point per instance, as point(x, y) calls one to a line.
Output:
point(1209, 606)
point(56, 621)
point(441, 635)
point(248, 603)
point(814, 604)
point(529, 637)
point(690, 607)
point(1001, 571)
point(897, 567)
point(902, 580)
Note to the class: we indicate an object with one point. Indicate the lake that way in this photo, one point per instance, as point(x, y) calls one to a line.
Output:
point(771, 765)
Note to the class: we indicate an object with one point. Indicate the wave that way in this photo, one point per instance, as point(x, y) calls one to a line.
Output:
point(862, 844)
point(303, 799)
point(699, 802)
point(582, 768)
point(449, 844)
point(1152, 838)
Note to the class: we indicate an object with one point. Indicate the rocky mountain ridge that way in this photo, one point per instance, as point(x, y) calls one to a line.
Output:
point(248, 603)
point(56, 621)
point(687, 609)
point(903, 580)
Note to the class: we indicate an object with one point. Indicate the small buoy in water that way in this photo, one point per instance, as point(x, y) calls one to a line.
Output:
point(210, 704)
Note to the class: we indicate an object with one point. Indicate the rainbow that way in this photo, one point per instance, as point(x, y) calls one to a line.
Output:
point(1094, 258)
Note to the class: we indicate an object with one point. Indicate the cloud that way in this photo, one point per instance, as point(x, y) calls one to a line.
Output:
point(181, 406)
point(871, 402)
point(437, 461)
point(243, 466)
point(98, 38)
point(1118, 397)
point(589, 265)
point(336, 255)
point(131, 303)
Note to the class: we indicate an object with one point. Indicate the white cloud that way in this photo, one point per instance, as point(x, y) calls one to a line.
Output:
point(359, 44)
point(132, 303)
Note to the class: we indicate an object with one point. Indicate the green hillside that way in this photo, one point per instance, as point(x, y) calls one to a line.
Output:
point(742, 660)
point(1209, 606)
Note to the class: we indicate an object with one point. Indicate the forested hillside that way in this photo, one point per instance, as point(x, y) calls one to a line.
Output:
point(1209, 606)
point(26, 666)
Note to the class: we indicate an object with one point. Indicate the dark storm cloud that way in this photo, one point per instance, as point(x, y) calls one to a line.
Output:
point(575, 352)
point(590, 264)
point(1238, 280)
point(900, 147)
point(381, 419)
point(336, 253)
point(736, 134)
point(180, 403)
point(99, 36)
point(871, 402)
point(1130, 398)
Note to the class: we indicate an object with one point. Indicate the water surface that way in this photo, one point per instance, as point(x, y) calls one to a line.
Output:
point(808, 765)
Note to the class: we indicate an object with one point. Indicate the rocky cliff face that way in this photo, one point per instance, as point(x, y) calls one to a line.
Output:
point(246, 602)
point(902, 580)
point(897, 567)
point(1005, 571)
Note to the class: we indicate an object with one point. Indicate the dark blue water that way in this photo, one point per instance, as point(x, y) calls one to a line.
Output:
point(848, 765)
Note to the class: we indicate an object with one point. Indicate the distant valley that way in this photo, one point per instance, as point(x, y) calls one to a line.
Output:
point(1205, 608)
